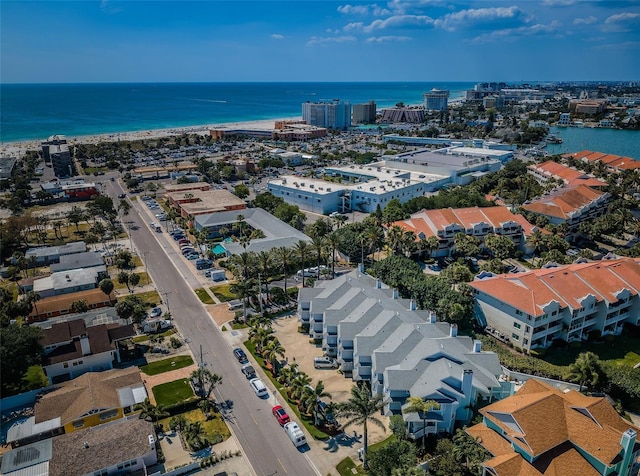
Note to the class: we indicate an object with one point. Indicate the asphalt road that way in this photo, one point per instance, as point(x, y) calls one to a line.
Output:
point(263, 441)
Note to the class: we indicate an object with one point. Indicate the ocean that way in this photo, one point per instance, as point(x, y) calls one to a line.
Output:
point(610, 141)
point(37, 111)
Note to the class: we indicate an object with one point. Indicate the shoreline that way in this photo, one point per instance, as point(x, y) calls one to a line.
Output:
point(18, 148)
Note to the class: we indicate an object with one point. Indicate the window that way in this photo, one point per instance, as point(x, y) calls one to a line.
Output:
point(108, 415)
point(525, 341)
point(515, 336)
point(78, 424)
point(517, 325)
point(100, 472)
point(65, 365)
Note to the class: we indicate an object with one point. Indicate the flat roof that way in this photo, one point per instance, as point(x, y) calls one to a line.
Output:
point(207, 200)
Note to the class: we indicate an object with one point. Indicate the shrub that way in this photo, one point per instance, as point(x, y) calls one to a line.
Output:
point(175, 343)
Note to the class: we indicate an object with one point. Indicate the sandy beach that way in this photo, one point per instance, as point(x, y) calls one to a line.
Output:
point(17, 149)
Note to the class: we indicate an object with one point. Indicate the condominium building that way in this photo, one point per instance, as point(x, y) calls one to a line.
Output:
point(543, 431)
point(612, 162)
point(383, 339)
point(436, 100)
point(572, 302)
point(570, 205)
point(445, 224)
point(569, 176)
point(56, 151)
point(334, 114)
point(364, 113)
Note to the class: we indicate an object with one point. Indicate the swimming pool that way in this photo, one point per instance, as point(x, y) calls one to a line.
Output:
point(218, 249)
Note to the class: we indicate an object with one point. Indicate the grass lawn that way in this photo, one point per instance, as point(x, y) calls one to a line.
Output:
point(203, 295)
point(171, 393)
point(150, 297)
point(346, 467)
point(144, 280)
point(623, 349)
point(222, 293)
point(211, 427)
point(136, 261)
point(306, 420)
point(144, 338)
point(165, 365)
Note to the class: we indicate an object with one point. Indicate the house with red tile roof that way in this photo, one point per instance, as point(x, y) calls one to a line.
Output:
point(542, 431)
point(570, 205)
point(569, 302)
point(569, 176)
point(445, 223)
point(613, 163)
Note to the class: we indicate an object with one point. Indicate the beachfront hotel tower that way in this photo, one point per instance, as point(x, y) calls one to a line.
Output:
point(364, 113)
point(436, 99)
point(334, 114)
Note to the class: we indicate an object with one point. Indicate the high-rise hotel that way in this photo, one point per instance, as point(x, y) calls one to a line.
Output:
point(436, 99)
point(334, 114)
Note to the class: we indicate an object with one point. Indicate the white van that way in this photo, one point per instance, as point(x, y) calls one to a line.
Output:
point(258, 387)
point(324, 363)
point(295, 434)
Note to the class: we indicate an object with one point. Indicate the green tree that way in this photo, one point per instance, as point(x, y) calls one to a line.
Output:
point(271, 352)
point(302, 249)
point(444, 462)
point(106, 286)
point(123, 278)
point(397, 456)
point(20, 349)
point(207, 381)
point(34, 378)
point(311, 397)
point(134, 279)
point(422, 407)
point(241, 191)
point(79, 306)
point(284, 256)
point(360, 409)
point(585, 370)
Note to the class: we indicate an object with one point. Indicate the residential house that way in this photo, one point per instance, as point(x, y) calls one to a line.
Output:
point(446, 223)
point(72, 349)
point(51, 254)
point(60, 305)
point(121, 447)
point(570, 206)
point(571, 302)
point(88, 259)
point(542, 431)
point(91, 399)
point(70, 281)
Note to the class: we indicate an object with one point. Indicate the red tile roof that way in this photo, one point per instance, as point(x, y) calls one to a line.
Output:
point(565, 202)
point(614, 161)
point(531, 291)
point(570, 176)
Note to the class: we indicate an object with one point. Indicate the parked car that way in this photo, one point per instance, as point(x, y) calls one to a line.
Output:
point(248, 371)
point(178, 237)
point(240, 355)
point(192, 256)
point(155, 312)
point(280, 415)
point(122, 195)
point(295, 434)
point(258, 387)
point(324, 363)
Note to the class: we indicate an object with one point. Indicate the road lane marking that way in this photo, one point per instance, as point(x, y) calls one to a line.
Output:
point(254, 421)
point(285, 469)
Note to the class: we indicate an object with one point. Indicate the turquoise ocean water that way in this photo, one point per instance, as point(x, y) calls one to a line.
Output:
point(36, 111)
point(610, 141)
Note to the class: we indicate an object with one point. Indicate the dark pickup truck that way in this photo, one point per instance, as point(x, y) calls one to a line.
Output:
point(248, 371)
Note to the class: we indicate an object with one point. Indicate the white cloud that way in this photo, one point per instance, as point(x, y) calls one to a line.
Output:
point(277, 36)
point(559, 3)
point(372, 9)
point(622, 22)
point(627, 45)
point(392, 22)
point(387, 39)
point(452, 21)
point(585, 21)
point(319, 40)
point(510, 34)
point(400, 7)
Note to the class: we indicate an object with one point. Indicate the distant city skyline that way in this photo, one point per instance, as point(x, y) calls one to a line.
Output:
point(253, 41)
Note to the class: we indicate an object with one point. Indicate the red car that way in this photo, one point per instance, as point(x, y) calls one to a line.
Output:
point(280, 415)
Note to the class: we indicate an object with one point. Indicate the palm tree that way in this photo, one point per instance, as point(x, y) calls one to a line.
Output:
point(261, 338)
point(207, 380)
point(301, 249)
point(242, 264)
point(361, 409)
point(270, 353)
point(298, 385)
point(318, 245)
point(585, 370)
point(265, 265)
point(333, 242)
point(310, 398)
point(284, 256)
point(149, 411)
point(422, 408)
point(288, 374)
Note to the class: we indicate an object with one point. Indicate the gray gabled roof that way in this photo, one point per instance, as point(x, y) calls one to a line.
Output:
point(86, 259)
point(69, 248)
point(33, 456)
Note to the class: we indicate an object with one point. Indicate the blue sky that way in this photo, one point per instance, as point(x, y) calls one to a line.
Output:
point(298, 40)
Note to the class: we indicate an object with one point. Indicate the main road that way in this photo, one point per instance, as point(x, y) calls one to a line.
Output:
point(263, 441)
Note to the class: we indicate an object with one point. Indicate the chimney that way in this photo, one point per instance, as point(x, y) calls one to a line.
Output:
point(152, 443)
point(453, 330)
point(627, 442)
point(412, 305)
point(361, 267)
point(84, 345)
point(395, 293)
point(477, 346)
point(432, 319)
point(378, 284)
point(467, 379)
